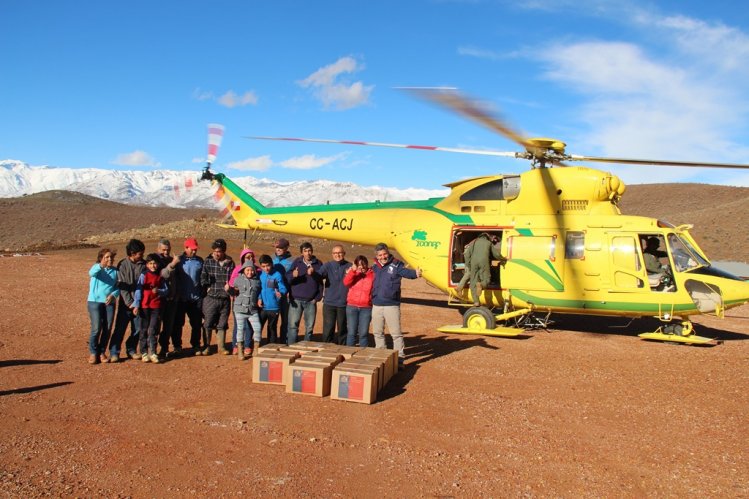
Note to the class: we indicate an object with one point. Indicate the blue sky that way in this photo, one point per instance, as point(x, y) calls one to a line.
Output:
point(133, 85)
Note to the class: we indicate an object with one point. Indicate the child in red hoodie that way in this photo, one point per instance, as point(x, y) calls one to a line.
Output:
point(150, 293)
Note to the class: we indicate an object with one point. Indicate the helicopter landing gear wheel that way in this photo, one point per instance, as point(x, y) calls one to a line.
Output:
point(476, 318)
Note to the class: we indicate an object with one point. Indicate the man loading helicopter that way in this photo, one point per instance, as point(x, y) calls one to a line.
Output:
point(477, 256)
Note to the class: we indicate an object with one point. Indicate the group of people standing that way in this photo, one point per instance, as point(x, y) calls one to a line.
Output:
point(154, 295)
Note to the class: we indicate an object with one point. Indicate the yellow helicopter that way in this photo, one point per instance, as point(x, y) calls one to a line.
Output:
point(566, 246)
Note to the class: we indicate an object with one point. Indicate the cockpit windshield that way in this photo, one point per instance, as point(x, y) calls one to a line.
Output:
point(685, 256)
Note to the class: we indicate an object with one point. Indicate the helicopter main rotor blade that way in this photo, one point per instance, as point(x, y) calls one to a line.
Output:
point(401, 146)
point(655, 162)
point(452, 99)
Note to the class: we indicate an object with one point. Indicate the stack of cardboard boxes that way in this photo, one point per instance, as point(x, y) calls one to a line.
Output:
point(321, 369)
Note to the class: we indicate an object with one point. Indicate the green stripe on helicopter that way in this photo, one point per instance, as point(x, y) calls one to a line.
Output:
point(427, 204)
point(554, 280)
point(651, 308)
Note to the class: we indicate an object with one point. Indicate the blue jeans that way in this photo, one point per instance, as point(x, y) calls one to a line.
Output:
point(297, 308)
point(247, 340)
point(358, 319)
point(101, 316)
point(248, 328)
point(125, 318)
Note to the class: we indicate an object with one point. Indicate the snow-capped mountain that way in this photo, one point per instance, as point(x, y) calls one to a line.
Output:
point(182, 189)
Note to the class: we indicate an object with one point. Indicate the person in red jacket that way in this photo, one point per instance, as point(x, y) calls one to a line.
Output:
point(358, 280)
point(150, 296)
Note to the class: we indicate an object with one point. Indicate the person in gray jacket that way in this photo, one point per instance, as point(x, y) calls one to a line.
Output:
point(129, 270)
point(247, 292)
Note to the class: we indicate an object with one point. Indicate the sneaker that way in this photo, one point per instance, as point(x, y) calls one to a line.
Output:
point(234, 351)
point(134, 355)
point(248, 352)
point(92, 359)
point(103, 358)
point(177, 352)
point(113, 359)
point(154, 358)
point(206, 351)
point(145, 358)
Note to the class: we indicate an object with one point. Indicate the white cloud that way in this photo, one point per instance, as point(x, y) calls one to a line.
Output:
point(310, 161)
point(331, 91)
point(135, 158)
point(638, 107)
point(199, 94)
point(201, 159)
point(231, 99)
point(259, 164)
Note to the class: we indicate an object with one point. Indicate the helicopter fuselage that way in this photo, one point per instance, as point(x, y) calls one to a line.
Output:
point(568, 247)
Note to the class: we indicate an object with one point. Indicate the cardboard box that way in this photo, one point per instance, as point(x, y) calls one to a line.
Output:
point(333, 357)
point(309, 379)
point(368, 365)
point(270, 347)
point(316, 345)
point(271, 368)
point(296, 348)
point(347, 352)
point(388, 356)
point(353, 385)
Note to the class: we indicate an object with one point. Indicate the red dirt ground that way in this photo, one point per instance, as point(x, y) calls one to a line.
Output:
point(585, 409)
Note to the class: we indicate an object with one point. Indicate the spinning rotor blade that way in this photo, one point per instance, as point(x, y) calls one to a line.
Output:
point(655, 162)
point(402, 146)
point(455, 101)
point(215, 135)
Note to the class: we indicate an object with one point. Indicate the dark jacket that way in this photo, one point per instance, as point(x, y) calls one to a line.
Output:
point(127, 279)
point(215, 276)
point(305, 287)
point(188, 278)
point(335, 291)
point(386, 289)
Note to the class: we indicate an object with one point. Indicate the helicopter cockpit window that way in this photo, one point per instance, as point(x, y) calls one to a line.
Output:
point(685, 257)
point(501, 189)
point(574, 248)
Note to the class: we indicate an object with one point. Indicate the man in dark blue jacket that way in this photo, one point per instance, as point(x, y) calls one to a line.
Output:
point(386, 298)
point(305, 282)
point(189, 294)
point(334, 301)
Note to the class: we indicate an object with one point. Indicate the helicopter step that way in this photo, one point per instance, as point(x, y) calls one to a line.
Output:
point(678, 333)
point(480, 320)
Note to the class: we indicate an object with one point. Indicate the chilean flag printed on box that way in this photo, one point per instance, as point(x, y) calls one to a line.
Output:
point(271, 371)
point(304, 381)
point(351, 387)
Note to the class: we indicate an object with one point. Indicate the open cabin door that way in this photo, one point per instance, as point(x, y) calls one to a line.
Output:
point(461, 238)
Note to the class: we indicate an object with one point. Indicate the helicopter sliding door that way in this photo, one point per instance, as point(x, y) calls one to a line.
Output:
point(462, 237)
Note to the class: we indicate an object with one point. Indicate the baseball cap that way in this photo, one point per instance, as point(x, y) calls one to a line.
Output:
point(281, 243)
point(191, 243)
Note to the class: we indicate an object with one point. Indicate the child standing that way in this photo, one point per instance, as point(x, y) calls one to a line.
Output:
point(246, 310)
point(102, 296)
point(246, 254)
point(150, 294)
point(273, 290)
